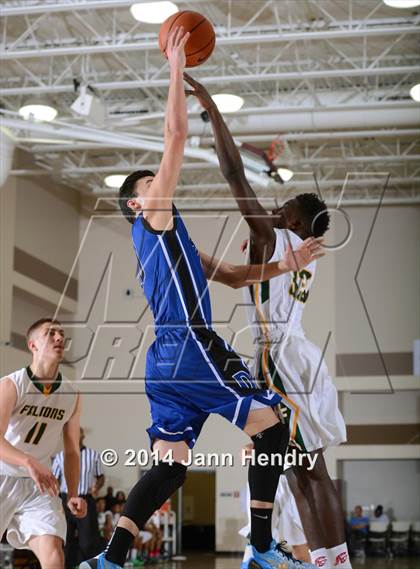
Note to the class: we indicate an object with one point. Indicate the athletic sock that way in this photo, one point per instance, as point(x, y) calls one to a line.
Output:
point(319, 558)
point(117, 548)
point(261, 529)
point(263, 480)
point(338, 556)
point(247, 554)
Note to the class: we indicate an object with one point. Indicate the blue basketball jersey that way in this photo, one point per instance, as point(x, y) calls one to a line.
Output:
point(171, 274)
point(190, 370)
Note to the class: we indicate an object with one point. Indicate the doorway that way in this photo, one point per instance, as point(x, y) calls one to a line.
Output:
point(198, 510)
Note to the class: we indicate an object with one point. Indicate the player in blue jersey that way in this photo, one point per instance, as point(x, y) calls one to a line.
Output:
point(190, 371)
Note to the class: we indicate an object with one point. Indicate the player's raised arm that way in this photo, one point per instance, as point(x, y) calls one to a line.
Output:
point(157, 206)
point(232, 167)
point(237, 276)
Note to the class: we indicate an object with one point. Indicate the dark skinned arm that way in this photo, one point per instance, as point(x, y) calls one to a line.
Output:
point(262, 234)
point(237, 276)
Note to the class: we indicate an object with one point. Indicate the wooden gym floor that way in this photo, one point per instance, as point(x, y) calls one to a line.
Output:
point(210, 561)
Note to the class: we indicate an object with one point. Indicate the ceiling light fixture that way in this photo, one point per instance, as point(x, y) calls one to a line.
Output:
point(153, 12)
point(285, 174)
point(115, 181)
point(402, 3)
point(89, 105)
point(227, 103)
point(38, 112)
point(415, 93)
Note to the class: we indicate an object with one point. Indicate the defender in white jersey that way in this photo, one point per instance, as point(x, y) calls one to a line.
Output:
point(285, 359)
point(39, 407)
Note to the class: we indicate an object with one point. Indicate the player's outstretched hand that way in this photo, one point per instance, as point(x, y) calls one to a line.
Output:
point(175, 48)
point(310, 250)
point(199, 91)
point(77, 506)
point(43, 478)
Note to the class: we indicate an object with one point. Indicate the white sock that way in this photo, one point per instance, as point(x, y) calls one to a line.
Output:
point(338, 556)
point(319, 558)
point(247, 553)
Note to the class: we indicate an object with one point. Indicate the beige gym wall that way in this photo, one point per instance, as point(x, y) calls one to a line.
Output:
point(50, 229)
point(389, 280)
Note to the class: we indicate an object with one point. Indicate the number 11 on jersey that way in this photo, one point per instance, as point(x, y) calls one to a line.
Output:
point(35, 434)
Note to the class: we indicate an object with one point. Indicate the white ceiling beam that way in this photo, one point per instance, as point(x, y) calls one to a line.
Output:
point(403, 104)
point(403, 114)
point(123, 168)
point(279, 121)
point(116, 169)
point(331, 135)
point(219, 79)
point(90, 134)
point(222, 40)
point(289, 137)
point(219, 205)
point(309, 184)
point(24, 9)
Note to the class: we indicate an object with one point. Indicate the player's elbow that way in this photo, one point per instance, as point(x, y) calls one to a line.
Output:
point(233, 279)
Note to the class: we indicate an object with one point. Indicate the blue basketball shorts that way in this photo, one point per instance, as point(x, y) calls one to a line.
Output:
point(192, 372)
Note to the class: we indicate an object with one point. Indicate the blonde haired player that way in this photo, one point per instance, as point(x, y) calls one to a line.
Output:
point(38, 407)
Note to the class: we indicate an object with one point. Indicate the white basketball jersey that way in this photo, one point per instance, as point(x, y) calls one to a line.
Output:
point(275, 307)
point(37, 421)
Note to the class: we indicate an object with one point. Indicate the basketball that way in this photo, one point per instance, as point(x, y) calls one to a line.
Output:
point(202, 38)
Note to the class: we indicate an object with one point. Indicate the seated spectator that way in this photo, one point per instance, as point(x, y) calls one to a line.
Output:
point(358, 527)
point(109, 498)
point(100, 510)
point(116, 511)
point(379, 516)
point(140, 548)
point(155, 544)
point(108, 527)
point(358, 521)
point(120, 496)
point(103, 516)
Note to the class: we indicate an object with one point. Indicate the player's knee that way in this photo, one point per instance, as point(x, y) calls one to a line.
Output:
point(264, 476)
point(316, 469)
point(299, 482)
point(52, 556)
point(259, 420)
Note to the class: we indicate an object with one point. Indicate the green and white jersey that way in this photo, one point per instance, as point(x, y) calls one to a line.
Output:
point(37, 421)
point(275, 307)
point(287, 362)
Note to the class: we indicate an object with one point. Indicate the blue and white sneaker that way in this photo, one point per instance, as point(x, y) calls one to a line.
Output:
point(275, 558)
point(99, 562)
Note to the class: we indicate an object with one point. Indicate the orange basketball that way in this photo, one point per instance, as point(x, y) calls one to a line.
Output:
point(202, 38)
